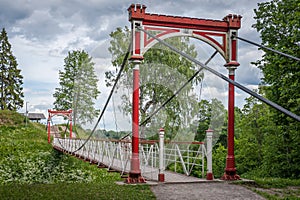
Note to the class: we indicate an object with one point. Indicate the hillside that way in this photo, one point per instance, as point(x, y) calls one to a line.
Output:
point(26, 157)
point(29, 163)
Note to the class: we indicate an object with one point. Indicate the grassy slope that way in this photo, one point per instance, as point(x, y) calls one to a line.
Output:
point(274, 188)
point(31, 169)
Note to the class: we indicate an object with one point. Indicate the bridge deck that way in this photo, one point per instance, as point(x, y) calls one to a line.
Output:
point(149, 173)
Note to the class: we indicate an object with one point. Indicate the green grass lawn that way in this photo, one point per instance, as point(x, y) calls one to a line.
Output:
point(274, 188)
point(75, 191)
point(31, 169)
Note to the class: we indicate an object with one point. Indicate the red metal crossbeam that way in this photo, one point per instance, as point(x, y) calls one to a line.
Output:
point(138, 12)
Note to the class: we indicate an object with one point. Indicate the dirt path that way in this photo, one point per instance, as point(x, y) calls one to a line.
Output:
point(191, 191)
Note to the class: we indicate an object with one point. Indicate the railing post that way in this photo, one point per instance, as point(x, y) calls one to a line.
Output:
point(209, 174)
point(161, 175)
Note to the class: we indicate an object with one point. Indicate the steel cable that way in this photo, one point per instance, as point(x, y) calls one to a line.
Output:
point(267, 48)
point(178, 91)
point(270, 103)
point(109, 97)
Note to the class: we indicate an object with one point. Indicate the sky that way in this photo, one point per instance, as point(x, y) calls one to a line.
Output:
point(43, 32)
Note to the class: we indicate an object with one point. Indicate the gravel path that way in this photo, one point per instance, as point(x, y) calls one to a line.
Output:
point(216, 191)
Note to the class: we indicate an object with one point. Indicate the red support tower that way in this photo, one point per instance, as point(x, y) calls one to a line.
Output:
point(135, 171)
point(217, 33)
point(52, 113)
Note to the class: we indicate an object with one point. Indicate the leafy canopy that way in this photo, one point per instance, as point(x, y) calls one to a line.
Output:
point(268, 143)
point(78, 87)
point(161, 74)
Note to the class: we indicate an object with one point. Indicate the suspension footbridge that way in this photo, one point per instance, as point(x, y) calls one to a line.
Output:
point(141, 160)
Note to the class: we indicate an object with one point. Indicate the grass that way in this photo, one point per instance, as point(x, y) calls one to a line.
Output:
point(31, 169)
point(75, 191)
point(274, 188)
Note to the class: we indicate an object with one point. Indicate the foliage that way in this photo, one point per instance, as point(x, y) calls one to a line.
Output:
point(260, 148)
point(78, 87)
point(161, 74)
point(27, 158)
point(204, 119)
point(276, 182)
point(212, 114)
point(110, 134)
point(278, 22)
point(11, 80)
point(219, 160)
point(11, 118)
point(253, 128)
point(31, 169)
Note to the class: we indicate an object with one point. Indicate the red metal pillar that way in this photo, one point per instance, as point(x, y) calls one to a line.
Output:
point(48, 128)
point(71, 128)
point(70, 119)
point(230, 170)
point(135, 171)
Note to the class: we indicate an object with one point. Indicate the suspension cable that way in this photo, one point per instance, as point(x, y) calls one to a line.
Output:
point(109, 97)
point(178, 91)
point(270, 103)
point(267, 48)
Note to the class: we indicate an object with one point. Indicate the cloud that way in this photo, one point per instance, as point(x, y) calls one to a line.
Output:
point(42, 33)
point(34, 60)
point(11, 11)
point(40, 25)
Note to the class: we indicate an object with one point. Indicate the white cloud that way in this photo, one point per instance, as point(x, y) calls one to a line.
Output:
point(42, 32)
point(34, 60)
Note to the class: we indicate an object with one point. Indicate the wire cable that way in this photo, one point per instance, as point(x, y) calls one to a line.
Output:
point(270, 103)
point(109, 97)
point(267, 48)
point(178, 91)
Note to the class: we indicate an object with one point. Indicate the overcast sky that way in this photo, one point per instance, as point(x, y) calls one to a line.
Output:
point(42, 32)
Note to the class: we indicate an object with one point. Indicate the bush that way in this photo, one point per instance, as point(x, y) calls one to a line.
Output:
point(219, 160)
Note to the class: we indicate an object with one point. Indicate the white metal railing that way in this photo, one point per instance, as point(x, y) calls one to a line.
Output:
point(183, 157)
point(155, 157)
point(114, 154)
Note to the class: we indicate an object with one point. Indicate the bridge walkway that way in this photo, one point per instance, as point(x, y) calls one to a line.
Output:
point(115, 156)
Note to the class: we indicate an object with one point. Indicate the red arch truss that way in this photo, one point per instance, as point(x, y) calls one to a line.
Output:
point(52, 113)
point(216, 33)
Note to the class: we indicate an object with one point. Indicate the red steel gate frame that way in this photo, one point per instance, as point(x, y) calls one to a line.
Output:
point(217, 33)
point(52, 113)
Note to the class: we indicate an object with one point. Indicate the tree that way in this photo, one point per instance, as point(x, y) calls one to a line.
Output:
point(204, 119)
point(278, 22)
point(162, 73)
point(11, 80)
point(254, 130)
point(212, 115)
point(78, 87)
